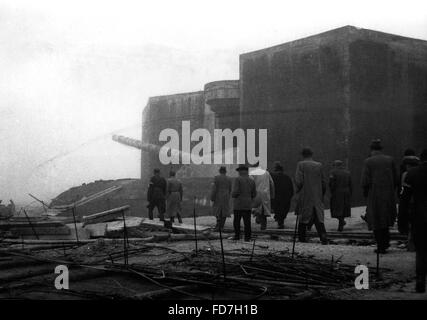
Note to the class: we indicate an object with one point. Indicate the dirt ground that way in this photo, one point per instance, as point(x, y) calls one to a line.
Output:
point(398, 260)
point(397, 266)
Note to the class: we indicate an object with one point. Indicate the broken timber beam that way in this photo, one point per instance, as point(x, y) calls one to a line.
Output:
point(104, 216)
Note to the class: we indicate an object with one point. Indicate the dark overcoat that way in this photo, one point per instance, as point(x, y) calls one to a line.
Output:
point(221, 196)
point(341, 189)
point(284, 190)
point(380, 182)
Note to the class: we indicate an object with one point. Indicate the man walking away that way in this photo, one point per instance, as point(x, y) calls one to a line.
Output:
point(341, 190)
point(220, 196)
point(311, 187)
point(265, 192)
point(379, 183)
point(415, 187)
point(409, 161)
point(156, 195)
point(173, 199)
point(284, 190)
point(244, 191)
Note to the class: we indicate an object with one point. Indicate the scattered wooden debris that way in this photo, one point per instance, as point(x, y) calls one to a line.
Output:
point(105, 216)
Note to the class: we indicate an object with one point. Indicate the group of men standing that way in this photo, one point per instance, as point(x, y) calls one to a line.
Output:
point(166, 196)
point(259, 192)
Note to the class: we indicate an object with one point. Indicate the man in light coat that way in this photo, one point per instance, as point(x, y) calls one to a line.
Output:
point(265, 193)
point(174, 193)
point(311, 187)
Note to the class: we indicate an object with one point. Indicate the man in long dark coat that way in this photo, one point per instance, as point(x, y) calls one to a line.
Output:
point(156, 195)
point(415, 187)
point(311, 187)
point(221, 196)
point(284, 190)
point(341, 190)
point(379, 183)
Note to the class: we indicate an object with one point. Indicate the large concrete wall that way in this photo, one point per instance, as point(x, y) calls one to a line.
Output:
point(335, 92)
point(298, 91)
point(169, 111)
point(388, 87)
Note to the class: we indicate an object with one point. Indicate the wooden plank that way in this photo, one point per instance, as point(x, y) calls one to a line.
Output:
point(105, 216)
point(131, 222)
point(182, 227)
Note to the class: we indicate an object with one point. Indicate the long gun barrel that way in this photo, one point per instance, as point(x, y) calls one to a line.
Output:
point(148, 147)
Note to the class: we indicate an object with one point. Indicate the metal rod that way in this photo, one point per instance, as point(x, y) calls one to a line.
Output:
point(73, 211)
point(295, 236)
point(31, 225)
point(42, 202)
point(222, 245)
point(253, 249)
point(125, 240)
point(194, 218)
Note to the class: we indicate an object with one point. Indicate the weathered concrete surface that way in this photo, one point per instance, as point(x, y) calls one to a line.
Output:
point(335, 92)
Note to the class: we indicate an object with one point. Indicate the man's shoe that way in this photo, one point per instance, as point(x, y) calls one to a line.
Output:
point(247, 239)
point(234, 238)
point(324, 240)
point(281, 226)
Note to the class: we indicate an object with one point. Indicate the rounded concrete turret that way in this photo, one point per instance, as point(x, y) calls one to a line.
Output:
point(223, 98)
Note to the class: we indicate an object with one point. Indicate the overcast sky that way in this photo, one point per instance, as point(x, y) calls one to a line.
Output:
point(73, 72)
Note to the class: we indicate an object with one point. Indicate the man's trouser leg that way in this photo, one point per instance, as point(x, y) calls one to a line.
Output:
point(150, 210)
point(302, 232)
point(279, 216)
point(263, 218)
point(320, 227)
point(161, 207)
point(247, 223)
point(236, 223)
point(386, 238)
point(381, 239)
point(222, 223)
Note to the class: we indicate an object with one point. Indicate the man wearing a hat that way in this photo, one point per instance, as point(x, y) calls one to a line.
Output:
point(415, 190)
point(379, 183)
point(244, 191)
point(341, 189)
point(220, 196)
point(311, 187)
point(156, 195)
point(284, 190)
